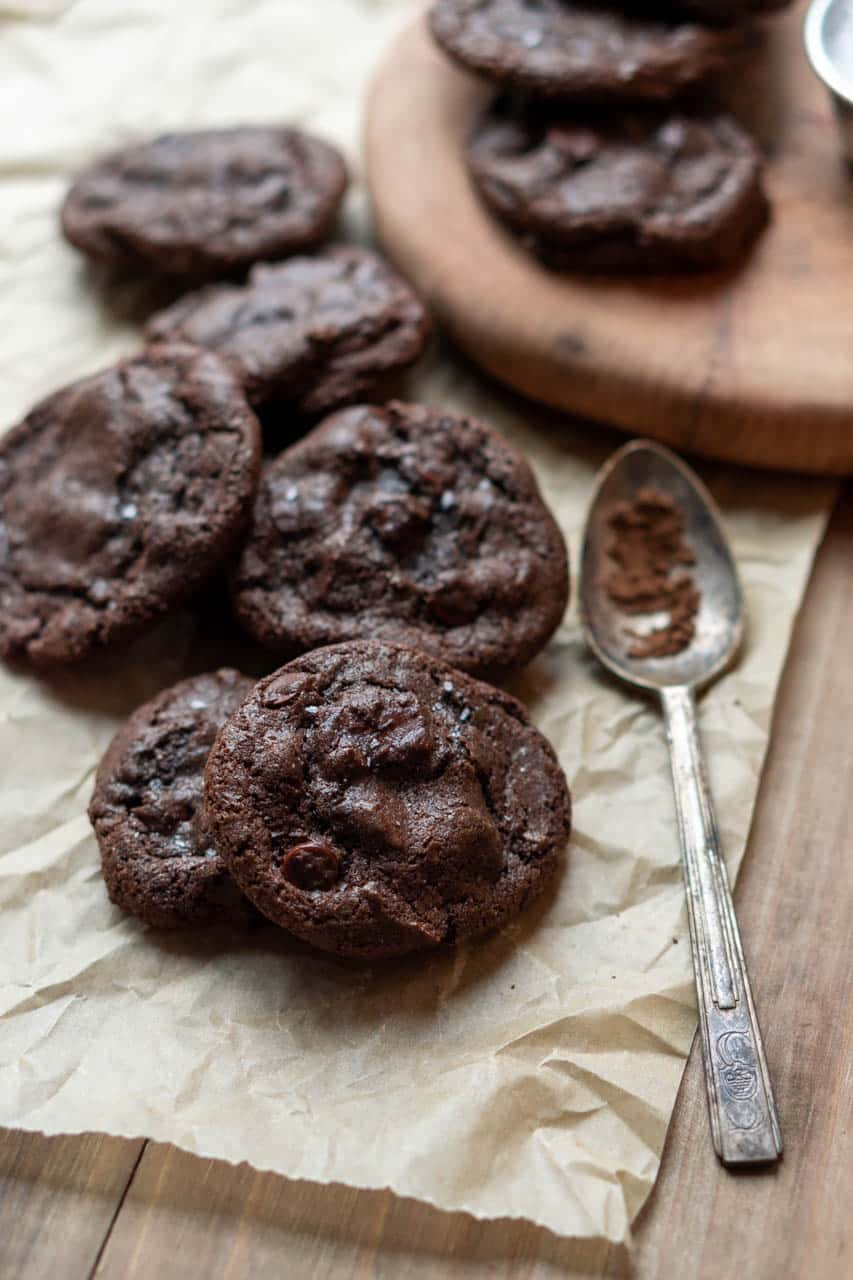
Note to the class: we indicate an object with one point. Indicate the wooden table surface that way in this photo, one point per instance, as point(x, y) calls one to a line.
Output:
point(86, 1206)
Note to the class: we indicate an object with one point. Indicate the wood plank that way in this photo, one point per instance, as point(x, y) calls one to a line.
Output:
point(750, 365)
point(58, 1199)
point(194, 1217)
point(187, 1217)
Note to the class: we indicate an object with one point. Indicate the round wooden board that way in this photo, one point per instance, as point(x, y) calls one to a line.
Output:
point(754, 366)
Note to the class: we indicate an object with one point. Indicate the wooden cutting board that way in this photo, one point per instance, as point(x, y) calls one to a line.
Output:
point(753, 365)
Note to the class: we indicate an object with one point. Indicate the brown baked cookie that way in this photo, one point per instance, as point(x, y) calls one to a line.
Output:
point(582, 50)
point(157, 851)
point(374, 801)
point(207, 203)
point(731, 10)
point(626, 192)
point(407, 524)
point(314, 331)
point(119, 495)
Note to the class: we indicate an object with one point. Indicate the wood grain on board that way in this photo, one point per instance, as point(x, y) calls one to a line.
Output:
point(78, 1207)
point(751, 365)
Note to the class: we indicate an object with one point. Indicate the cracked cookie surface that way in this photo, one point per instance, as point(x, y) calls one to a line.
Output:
point(157, 852)
point(374, 801)
point(119, 496)
point(315, 332)
point(208, 202)
point(407, 524)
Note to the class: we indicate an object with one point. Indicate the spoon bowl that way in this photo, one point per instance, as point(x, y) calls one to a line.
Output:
point(719, 622)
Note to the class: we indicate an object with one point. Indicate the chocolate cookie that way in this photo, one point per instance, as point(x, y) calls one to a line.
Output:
point(207, 203)
point(157, 851)
point(731, 10)
point(119, 496)
point(590, 51)
point(318, 332)
point(407, 524)
point(374, 801)
point(622, 192)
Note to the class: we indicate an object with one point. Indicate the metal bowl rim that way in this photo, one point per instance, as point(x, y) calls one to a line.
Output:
point(821, 62)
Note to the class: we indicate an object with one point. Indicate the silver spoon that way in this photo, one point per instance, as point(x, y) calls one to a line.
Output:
point(744, 1121)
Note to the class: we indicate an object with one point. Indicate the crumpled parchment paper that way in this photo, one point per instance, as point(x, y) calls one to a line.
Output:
point(533, 1075)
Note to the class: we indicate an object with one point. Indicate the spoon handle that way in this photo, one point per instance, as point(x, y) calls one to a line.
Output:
point(744, 1121)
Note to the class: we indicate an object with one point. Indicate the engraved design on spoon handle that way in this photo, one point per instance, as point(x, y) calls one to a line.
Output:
point(744, 1121)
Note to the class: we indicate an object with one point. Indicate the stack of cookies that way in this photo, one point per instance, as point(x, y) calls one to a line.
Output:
point(366, 797)
point(374, 796)
point(601, 152)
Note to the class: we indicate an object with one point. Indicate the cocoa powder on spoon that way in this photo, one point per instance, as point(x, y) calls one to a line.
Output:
point(647, 546)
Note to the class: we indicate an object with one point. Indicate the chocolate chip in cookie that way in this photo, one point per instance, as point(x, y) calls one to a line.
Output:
point(374, 801)
point(409, 524)
point(207, 203)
